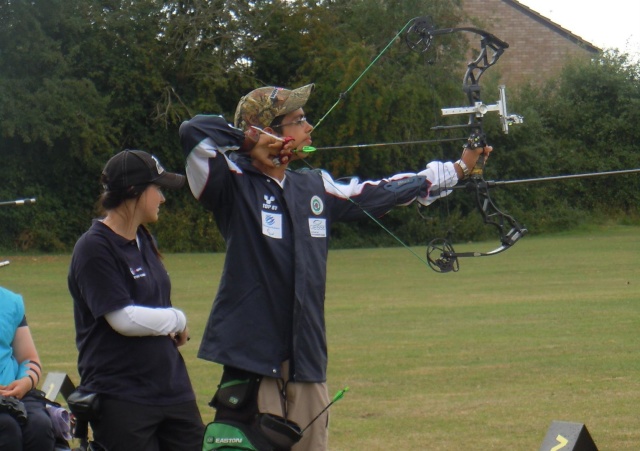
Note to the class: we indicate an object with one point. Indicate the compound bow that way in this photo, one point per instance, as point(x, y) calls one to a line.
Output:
point(419, 34)
point(441, 256)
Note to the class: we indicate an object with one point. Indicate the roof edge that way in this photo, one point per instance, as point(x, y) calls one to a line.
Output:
point(552, 25)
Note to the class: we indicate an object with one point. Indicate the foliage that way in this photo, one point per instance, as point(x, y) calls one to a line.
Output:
point(83, 79)
point(581, 122)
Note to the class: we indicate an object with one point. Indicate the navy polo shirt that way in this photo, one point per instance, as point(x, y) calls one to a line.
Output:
point(109, 272)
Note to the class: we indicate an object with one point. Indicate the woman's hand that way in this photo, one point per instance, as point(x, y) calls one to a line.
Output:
point(17, 388)
point(181, 338)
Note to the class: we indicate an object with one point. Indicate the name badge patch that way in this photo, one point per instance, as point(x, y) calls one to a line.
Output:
point(272, 224)
point(318, 227)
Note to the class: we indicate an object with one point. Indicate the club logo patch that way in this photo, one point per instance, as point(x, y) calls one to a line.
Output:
point(316, 205)
point(138, 272)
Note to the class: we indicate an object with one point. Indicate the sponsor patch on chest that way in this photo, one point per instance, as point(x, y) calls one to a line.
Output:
point(269, 203)
point(272, 224)
point(318, 227)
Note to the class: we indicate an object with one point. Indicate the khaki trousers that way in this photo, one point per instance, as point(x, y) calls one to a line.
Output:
point(304, 401)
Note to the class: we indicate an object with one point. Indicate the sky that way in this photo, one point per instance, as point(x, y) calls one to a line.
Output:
point(603, 23)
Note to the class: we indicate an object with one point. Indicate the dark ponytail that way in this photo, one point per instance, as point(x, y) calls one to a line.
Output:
point(113, 199)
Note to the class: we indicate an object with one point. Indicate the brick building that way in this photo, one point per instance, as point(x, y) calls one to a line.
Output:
point(538, 47)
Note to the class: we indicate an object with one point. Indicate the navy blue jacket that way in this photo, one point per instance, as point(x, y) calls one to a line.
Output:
point(270, 303)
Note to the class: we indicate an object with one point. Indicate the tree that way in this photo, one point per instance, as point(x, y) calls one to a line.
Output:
point(83, 79)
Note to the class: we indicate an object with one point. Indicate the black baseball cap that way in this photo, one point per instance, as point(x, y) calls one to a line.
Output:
point(137, 167)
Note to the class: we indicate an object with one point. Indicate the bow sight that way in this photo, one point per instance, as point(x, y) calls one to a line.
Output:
point(479, 109)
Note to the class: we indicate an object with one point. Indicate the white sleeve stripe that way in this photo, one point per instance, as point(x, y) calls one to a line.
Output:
point(197, 167)
point(354, 187)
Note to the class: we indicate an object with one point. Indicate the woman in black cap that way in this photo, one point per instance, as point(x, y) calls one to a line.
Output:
point(127, 332)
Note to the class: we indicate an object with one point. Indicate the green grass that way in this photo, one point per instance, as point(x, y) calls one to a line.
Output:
point(482, 359)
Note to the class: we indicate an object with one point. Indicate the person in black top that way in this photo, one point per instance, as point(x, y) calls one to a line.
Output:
point(127, 332)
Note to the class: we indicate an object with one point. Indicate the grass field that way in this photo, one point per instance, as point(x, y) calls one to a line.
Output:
point(482, 359)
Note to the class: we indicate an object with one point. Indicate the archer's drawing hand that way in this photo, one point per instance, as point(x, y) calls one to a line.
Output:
point(273, 153)
point(266, 151)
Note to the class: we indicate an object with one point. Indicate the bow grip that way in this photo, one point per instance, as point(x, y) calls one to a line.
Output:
point(476, 140)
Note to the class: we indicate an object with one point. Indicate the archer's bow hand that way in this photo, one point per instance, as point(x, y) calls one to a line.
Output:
point(470, 158)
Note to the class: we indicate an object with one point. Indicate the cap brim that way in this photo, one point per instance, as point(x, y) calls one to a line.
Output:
point(297, 99)
point(170, 180)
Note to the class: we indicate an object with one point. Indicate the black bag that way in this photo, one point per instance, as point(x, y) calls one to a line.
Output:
point(279, 432)
point(237, 389)
point(14, 407)
point(238, 425)
point(84, 406)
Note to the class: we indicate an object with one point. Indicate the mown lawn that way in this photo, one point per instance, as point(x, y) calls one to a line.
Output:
point(482, 359)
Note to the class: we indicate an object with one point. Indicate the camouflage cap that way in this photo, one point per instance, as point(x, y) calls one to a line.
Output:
point(262, 105)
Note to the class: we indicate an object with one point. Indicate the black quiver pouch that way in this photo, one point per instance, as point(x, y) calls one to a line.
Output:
point(85, 407)
point(236, 404)
point(237, 396)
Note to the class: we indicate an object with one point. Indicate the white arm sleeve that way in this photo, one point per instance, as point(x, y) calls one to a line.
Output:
point(139, 321)
point(442, 176)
